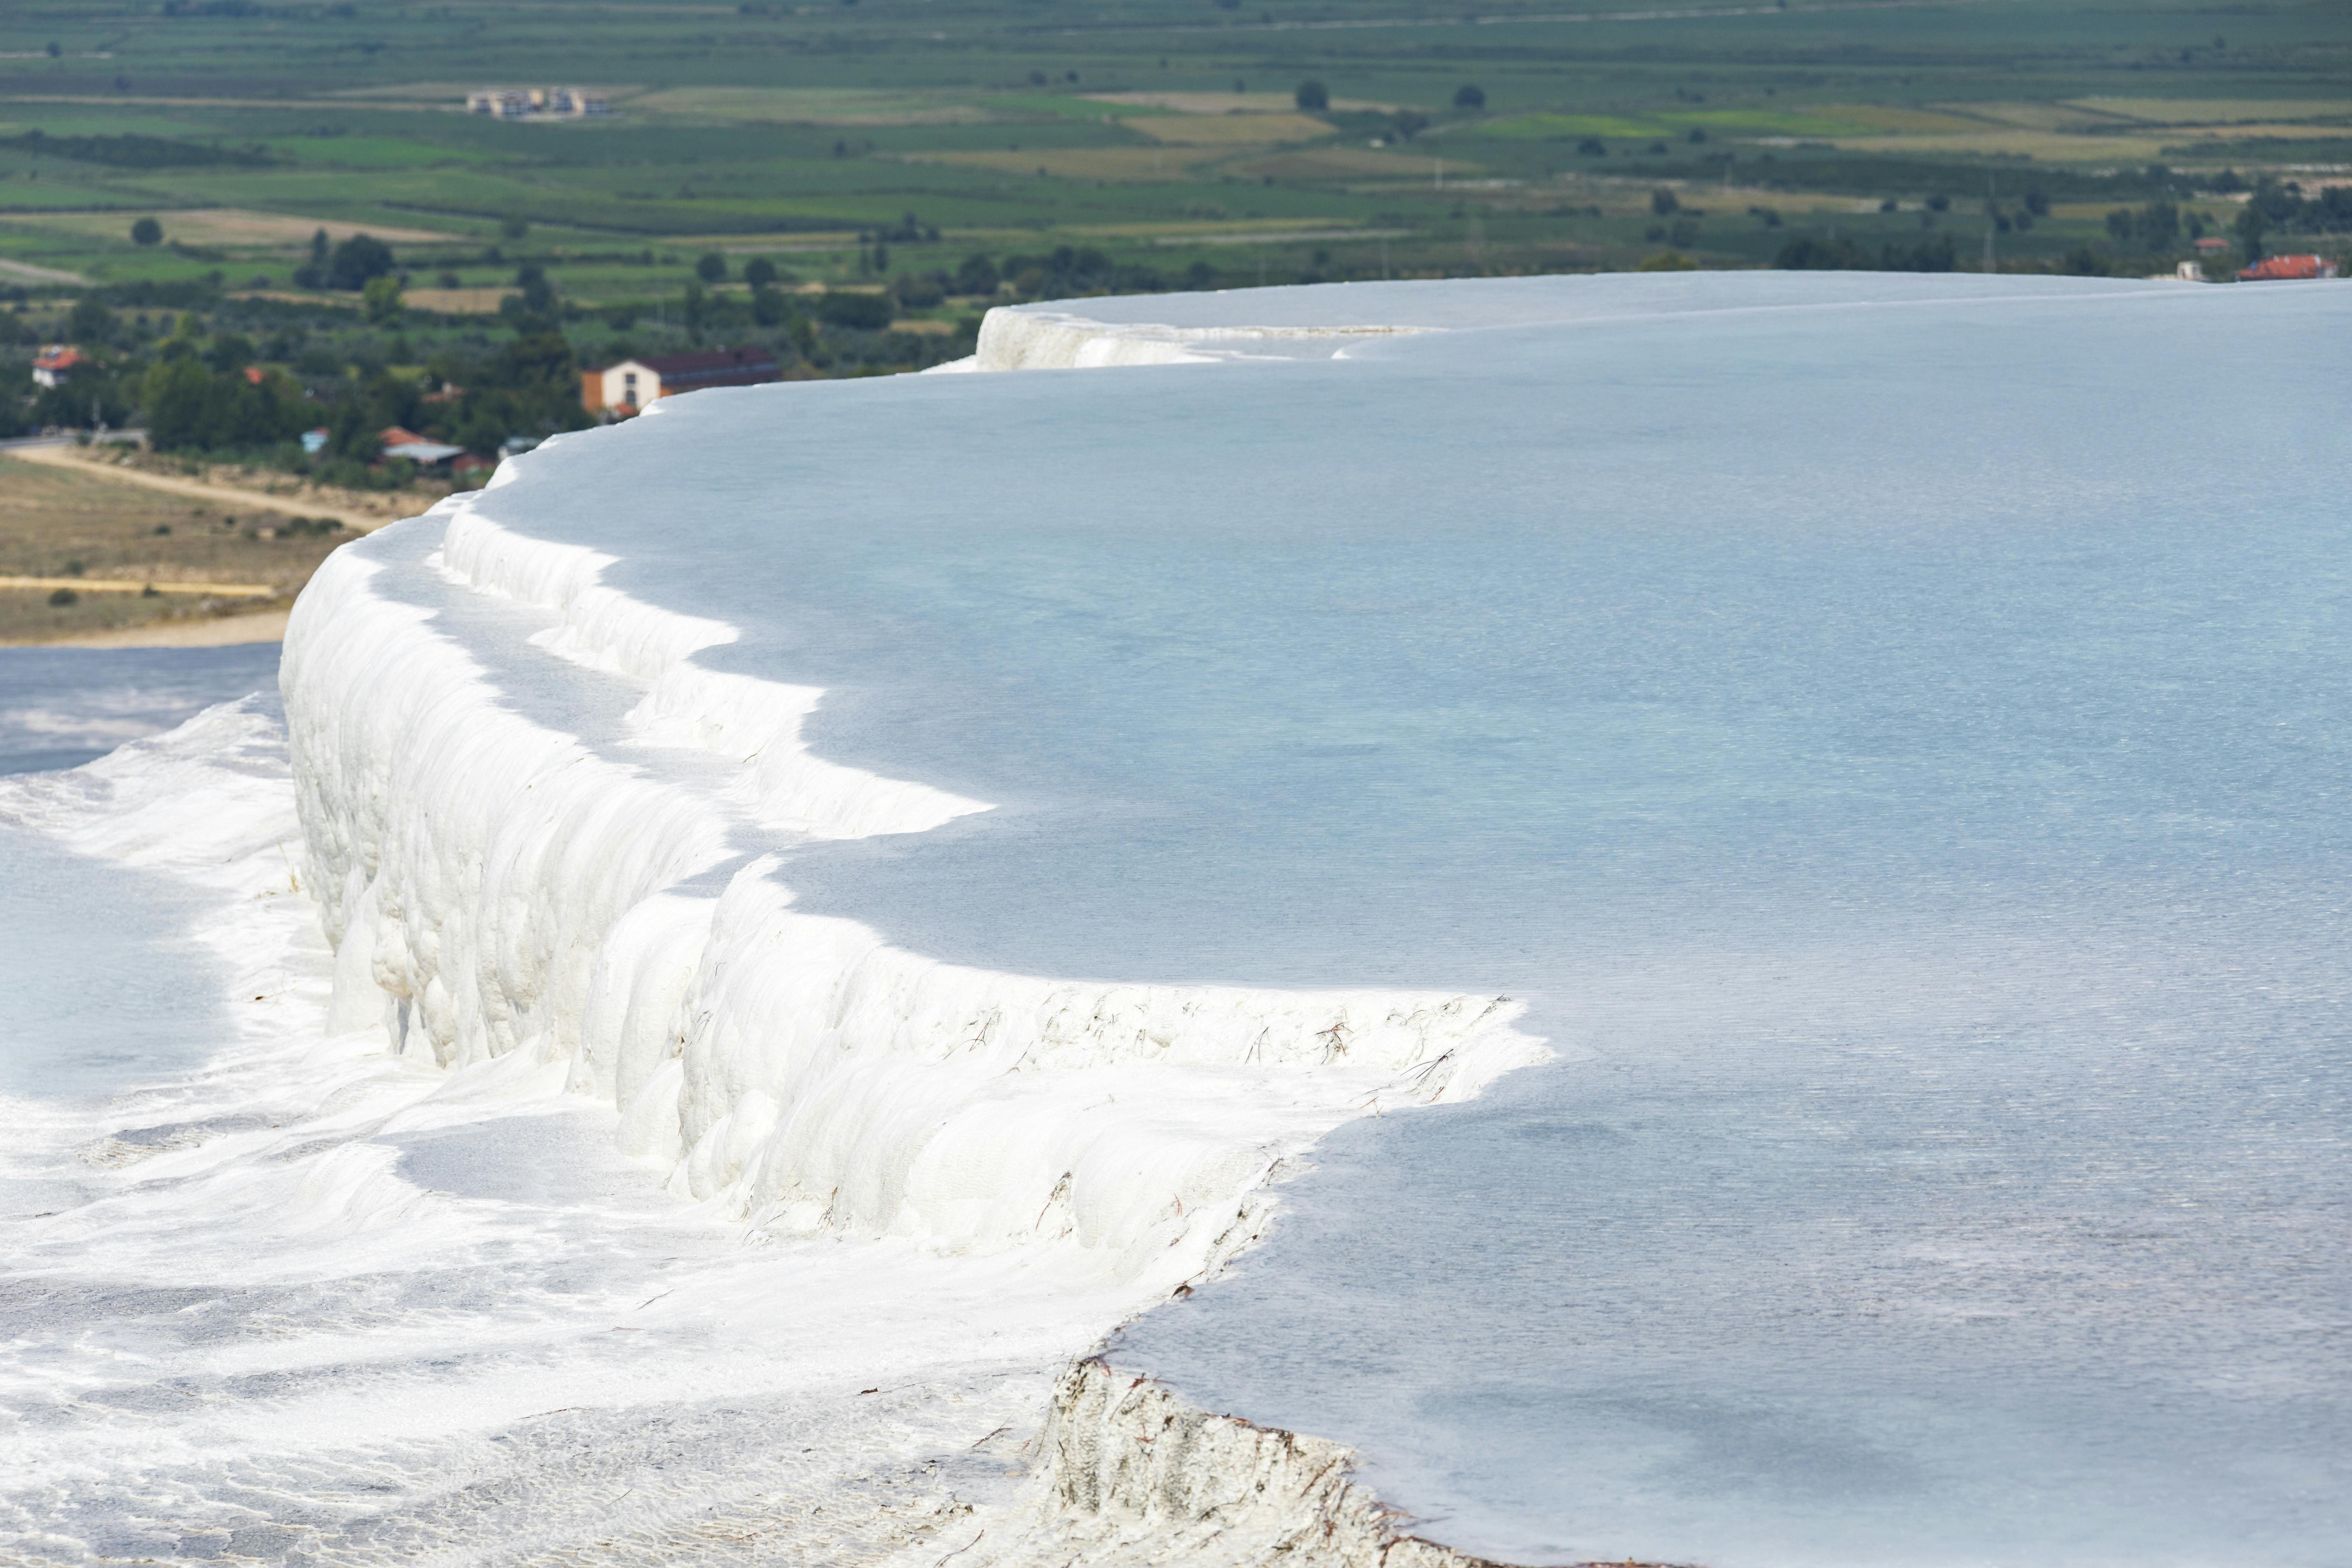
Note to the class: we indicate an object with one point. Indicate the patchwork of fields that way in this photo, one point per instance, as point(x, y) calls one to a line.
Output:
point(1544, 128)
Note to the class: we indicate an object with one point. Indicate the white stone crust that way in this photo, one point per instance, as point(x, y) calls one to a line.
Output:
point(1034, 337)
point(493, 887)
point(1129, 1475)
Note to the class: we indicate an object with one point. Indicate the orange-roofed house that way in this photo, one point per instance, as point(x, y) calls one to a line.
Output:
point(2285, 269)
point(55, 363)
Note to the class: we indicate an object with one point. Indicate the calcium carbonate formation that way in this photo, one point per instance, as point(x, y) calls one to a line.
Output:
point(495, 886)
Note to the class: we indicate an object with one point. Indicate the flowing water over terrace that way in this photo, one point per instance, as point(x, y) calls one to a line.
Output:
point(1899, 746)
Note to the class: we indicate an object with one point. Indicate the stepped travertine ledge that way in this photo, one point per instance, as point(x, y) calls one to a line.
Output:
point(493, 886)
point(1263, 952)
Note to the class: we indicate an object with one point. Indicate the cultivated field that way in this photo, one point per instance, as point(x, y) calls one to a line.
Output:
point(804, 129)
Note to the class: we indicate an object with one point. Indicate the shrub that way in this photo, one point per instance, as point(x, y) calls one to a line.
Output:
point(919, 291)
point(351, 265)
point(146, 231)
point(383, 295)
point(1663, 202)
point(1313, 96)
point(1469, 97)
point(860, 313)
point(1808, 254)
point(976, 276)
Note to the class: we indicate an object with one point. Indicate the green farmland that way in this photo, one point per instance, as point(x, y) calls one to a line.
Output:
point(1160, 133)
point(941, 155)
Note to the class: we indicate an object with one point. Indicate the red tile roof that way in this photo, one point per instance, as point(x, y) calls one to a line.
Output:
point(2280, 267)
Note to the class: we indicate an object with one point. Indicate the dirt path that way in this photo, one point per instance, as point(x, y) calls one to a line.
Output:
point(249, 500)
point(213, 631)
point(142, 585)
point(32, 274)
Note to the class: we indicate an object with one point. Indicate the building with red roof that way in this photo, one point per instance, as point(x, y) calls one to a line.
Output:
point(2285, 268)
point(53, 364)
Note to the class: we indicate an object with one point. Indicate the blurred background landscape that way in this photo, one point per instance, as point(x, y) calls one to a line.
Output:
point(333, 259)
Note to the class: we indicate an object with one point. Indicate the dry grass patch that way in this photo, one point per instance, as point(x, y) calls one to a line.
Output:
point(68, 526)
point(2035, 116)
point(2216, 110)
point(1901, 121)
point(810, 106)
point(2046, 146)
point(1183, 233)
point(1126, 164)
point(457, 302)
point(1227, 103)
point(1352, 164)
point(226, 225)
point(1230, 130)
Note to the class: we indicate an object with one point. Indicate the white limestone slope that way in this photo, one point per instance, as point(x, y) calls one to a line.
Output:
point(496, 887)
point(1036, 338)
point(1129, 1475)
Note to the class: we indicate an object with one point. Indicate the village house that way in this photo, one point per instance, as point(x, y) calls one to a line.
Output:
point(522, 104)
point(425, 454)
point(55, 363)
point(634, 384)
point(2283, 268)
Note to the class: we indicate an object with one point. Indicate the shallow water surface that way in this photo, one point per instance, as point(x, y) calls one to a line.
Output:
point(61, 707)
point(1897, 744)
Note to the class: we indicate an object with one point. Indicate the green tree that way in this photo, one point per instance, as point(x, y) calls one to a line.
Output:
point(2252, 226)
point(1313, 96)
point(382, 296)
point(759, 272)
point(90, 321)
point(356, 261)
point(146, 231)
point(1662, 201)
point(712, 267)
point(538, 293)
point(312, 274)
point(861, 313)
point(351, 434)
point(174, 395)
point(1467, 96)
point(514, 226)
point(976, 276)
